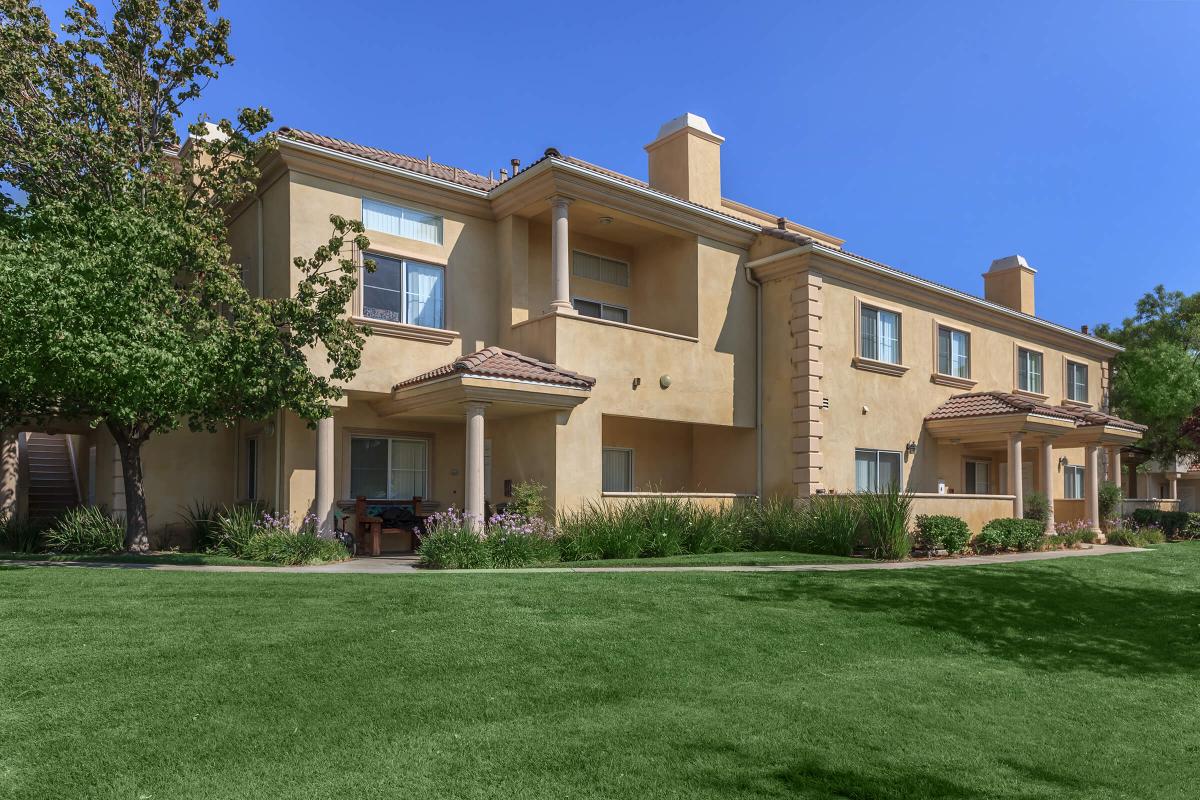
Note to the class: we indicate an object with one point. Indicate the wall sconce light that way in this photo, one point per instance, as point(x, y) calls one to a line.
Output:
point(665, 381)
point(1062, 462)
point(636, 383)
point(911, 448)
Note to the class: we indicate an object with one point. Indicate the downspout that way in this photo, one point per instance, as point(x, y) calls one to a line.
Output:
point(758, 345)
point(261, 271)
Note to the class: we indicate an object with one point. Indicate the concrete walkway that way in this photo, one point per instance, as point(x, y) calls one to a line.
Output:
point(406, 565)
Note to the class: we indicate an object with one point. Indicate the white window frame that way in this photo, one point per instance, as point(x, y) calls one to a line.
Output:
point(878, 310)
point(1072, 490)
point(384, 207)
point(403, 291)
point(1068, 378)
point(425, 444)
point(1041, 372)
point(603, 305)
point(878, 453)
point(967, 363)
point(628, 268)
point(632, 472)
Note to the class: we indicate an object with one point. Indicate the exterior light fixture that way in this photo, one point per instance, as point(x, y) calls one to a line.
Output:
point(911, 448)
point(606, 220)
point(665, 381)
point(1062, 462)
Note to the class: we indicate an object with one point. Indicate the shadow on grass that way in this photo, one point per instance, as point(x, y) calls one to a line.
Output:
point(1043, 617)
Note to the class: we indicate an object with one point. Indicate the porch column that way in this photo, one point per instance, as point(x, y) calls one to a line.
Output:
point(1015, 478)
point(1173, 487)
point(1048, 482)
point(1091, 503)
point(474, 494)
point(10, 467)
point(1114, 466)
point(324, 478)
point(560, 249)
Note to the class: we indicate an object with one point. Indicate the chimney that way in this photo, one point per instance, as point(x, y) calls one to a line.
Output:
point(1009, 282)
point(685, 161)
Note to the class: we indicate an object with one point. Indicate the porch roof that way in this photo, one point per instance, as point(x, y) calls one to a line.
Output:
point(997, 412)
point(496, 362)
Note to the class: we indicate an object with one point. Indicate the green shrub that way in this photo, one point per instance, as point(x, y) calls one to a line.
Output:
point(1140, 537)
point(942, 532)
point(293, 547)
point(1192, 531)
point(1073, 534)
point(885, 518)
point(599, 530)
point(453, 541)
point(513, 540)
point(777, 524)
point(1011, 534)
point(1146, 516)
point(1174, 524)
point(1037, 507)
point(201, 519)
point(21, 535)
point(529, 500)
point(235, 527)
point(1110, 501)
point(86, 530)
point(726, 529)
point(830, 524)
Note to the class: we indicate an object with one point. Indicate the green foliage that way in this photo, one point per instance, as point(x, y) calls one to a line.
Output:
point(943, 532)
point(1072, 534)
point(201, 519)
point(21, 535)
point(1110, 500)
point(1173, 524)
point(1156, 381)
point(776, 525)
point(85, 530)
point(829, 524)
point(293, 548)
point(235, 527)
point(250, 532)
point(1192, 531)
point(120, 303)
point(529, 499)
point(514, 540)
point(1037, 507)
point(1010, 534)
point(1139, 537)
point(452, 541)
point(886, 522)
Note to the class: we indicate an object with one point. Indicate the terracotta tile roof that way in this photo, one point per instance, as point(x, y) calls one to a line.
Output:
point(496, 362)
point(433, 169)
point(991, 404)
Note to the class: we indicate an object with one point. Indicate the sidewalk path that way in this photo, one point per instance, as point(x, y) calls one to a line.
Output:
point(406, 565)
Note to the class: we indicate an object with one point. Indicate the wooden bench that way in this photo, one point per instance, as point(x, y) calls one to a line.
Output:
point(369, 529)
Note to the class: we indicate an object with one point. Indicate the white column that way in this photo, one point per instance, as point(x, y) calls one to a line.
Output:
point(1048, 469)
point(1091, 502)
point(560, 254)
point(1015, 478)
point(1114, 466)
point(474, 490)
point(1173, 487)
point(324, 476)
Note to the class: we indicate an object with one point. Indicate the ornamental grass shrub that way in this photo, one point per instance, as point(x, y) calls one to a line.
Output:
point(942, 532)
point(21, 535)
point(454, 540)
point(832, 525)
point(886, 517)
point(86, 530)
point(1136, 537)
point(517, 540)
point(249, 532)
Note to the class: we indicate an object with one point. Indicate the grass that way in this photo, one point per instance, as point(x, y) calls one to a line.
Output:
point(1074, 679)
point(762, 558)
point(203, 559)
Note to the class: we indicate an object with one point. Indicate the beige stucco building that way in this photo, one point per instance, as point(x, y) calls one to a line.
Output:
point(610, 337)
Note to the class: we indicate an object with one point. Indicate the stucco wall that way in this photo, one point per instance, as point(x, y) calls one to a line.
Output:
point(975, 511)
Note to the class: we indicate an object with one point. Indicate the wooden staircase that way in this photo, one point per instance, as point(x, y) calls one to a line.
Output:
point(53, 487)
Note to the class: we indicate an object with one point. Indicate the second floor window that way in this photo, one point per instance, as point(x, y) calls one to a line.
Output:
point(1077, 381)
point(593, 308)
point(401, 221)
point(1029, 371)
point(954, 353)
point(404, 291)
point(1073, 482)
point(599, 268)
point(880, 331)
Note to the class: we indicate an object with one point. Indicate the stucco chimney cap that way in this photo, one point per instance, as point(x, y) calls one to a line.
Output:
point(1010, 262)
point(692, 122)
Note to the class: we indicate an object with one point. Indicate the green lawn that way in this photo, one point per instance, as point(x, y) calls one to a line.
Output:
point(758, 559)
point(1075, 678)
point(137, 558)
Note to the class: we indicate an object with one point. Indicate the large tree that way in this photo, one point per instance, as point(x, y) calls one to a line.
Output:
point(120, 303)
point(1156, 381)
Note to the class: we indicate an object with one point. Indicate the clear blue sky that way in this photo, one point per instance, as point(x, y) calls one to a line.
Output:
point(931, 136)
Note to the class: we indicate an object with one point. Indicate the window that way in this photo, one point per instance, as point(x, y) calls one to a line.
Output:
point(1029, 371)
point(401, 221)
point(979, 477)
point(252, 469)
point(383, 467)
point(880, 331)
point(592, 308)
point(1073, 478)
point(404, 291)
point(1077, 382)
point(599, 268)
point(954, 353)
point(618, 469)
point(876, 470)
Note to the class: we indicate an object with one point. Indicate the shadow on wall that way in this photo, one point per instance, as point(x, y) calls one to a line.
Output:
point(921, 468)
point(739, 336)
point(1043, 617)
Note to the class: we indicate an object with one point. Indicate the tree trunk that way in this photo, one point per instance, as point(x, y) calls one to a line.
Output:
point(137, 525)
